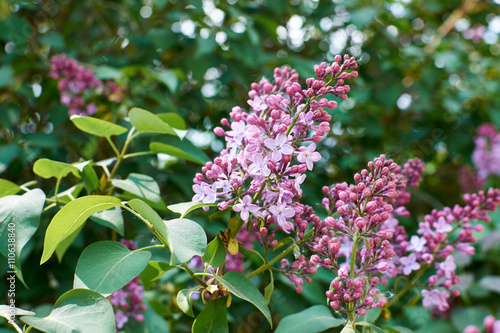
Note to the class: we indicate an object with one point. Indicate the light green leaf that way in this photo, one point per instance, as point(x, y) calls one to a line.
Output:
point(147, 122)
point(111, 218)
point(213, 319)
point(173, 119)
point(23, 213)
point(108, 73)
point(153, 271)
point(89, 177)
point(186, 239)
point(215, 255)
point(71, 217)
point(184, 301)
point(150, 215)
point(184, 208)
point(78, 310)
point(66, 243)
point(180, 149)
point(8, 188)
point(5, 311)
point(46, 169)
point(376, 329)
point(107, 266)
point(311, 320)
point(140, 185)
point(170, 79)
point(268, 291)
point(97, 126)
point(490, 282)
point(241, 287)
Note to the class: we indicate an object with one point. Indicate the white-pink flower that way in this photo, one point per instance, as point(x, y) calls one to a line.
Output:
point(448, 266)
point(238, 130)
point(279, 146)
point(442, 226)
point(257, 104)
point(282, 213)
point(409, 264)
point(436, 298)
point(259, 166)
point(417, 243)
point(308, 155)
point(246, 207)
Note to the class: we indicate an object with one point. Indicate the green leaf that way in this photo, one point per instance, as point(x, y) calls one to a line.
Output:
point(184, 301)
point(153, 271)
point(89, 177)
point(66, 243)
point(313, 319)
point(184, 208)
point(180, 152)
point(23, 213)
point(215, 255)
point(376, 329)
point(71, 217)
point(151, 216)
point(173, 119)
point(78, 310)
point(46, 169)
point(268, 290)
point(147, 122)
point(8, 188)
point(371, 315)
point(6, 312)
point(6, 73)
point(186, 239)
point(110, 218)
point(96, 126)
point(108, 73)
point(241, 287)
point(107, 266)
point(140, 185)
point(170, 79)
point(213, 319)
point(490, 282)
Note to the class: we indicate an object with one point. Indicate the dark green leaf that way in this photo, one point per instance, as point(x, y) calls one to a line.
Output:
point(215, 255)
point(181, 149)
point(314, 319)
point(186, 239)
point(107, 266)
point(140, 185)
point(241, 287)
point(184, 301)
point(153, 271)
point(213, 319)
point(111, 218)
point(78, 310)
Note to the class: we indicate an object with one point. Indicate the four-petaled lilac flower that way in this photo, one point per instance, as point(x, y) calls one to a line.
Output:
point(200, 192)
point(435, 297)
point(279, 146)
point(246, 207)
point(282, 213)
point(239, 129)
point(121, 319)
point(257, 104)
point(308, 155)
point(442, 226)
point(210, 193)
point(448, 266)
point(409, 263)
point(259, 166)
point(417, 243)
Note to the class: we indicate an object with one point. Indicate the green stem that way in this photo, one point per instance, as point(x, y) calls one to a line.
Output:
point(117, 153)
point(13, 323)
point(151, 247)
point(150, 226)
point(197, 279)
point(49, 207)
point(25, 186)
point(408, 286)
point(57, 189)
point(257, 195)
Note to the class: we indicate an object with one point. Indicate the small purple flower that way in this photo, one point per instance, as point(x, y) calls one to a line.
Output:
point(210, 194)
point(121, 319)
point(435, 297)
point(238, 132)
point(448, 266)
point(246, 207)
point(309, 155)
point(279, 146)
point(442, 226)
point(282, 213)
point(257, 104)
point(409, 264)
point(417, 243)
point(259, 166)
point(200, 192)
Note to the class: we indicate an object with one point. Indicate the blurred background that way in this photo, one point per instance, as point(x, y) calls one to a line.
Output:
point(429, 75)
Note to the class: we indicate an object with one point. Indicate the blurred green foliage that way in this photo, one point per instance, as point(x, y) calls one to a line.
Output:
point(429, 75)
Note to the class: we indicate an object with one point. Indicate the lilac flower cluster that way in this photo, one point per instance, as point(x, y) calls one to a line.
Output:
point(128, 301)
point(486, 154)
point(358, 214)
point(490, 326)
point(270, 147)
point(78, 85)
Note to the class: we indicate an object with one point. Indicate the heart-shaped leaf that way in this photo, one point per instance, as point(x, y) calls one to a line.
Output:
point(78, 310)
point(213, 319)
point(107, 266)
point(186, 239)
point(71, 217)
